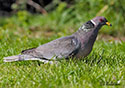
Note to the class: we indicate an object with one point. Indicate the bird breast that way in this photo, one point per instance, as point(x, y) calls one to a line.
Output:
point(84, 51)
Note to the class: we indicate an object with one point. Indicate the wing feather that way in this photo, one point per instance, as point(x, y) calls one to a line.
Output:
point(59, 48)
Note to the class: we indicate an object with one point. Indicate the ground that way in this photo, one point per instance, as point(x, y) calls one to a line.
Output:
point(104, 67)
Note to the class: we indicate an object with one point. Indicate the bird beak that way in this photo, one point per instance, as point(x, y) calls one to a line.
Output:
point(107, 23)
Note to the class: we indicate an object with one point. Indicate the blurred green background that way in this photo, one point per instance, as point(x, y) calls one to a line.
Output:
point(66, 17)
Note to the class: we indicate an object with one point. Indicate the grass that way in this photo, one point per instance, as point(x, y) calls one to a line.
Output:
point(104, 67)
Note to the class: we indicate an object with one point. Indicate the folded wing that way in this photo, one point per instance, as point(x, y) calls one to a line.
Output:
point(60, 48)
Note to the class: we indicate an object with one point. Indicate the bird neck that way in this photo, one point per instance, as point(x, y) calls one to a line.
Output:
point(86, 27)
point(87, 38)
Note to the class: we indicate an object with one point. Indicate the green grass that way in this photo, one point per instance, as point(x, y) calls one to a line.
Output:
point(104, 67)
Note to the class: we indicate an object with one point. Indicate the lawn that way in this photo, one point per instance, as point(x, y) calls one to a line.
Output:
point(104, 67)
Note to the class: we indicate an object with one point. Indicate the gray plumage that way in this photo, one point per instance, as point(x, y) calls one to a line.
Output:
point(77, 45)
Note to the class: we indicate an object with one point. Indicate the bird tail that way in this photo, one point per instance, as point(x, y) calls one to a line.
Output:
point(19, 58)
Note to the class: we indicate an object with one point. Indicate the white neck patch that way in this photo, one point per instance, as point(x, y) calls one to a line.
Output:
point(84, 29)
point(93, 22)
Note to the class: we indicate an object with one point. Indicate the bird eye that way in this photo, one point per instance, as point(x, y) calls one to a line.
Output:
point(101, 20)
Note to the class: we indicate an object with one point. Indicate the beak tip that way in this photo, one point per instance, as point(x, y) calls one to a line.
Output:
point(107, 23)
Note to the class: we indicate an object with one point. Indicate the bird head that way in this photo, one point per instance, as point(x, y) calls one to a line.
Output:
point(100, 20)
point(94, 24)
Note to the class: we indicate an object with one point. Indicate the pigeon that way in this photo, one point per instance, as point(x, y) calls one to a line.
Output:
point(77, 45)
